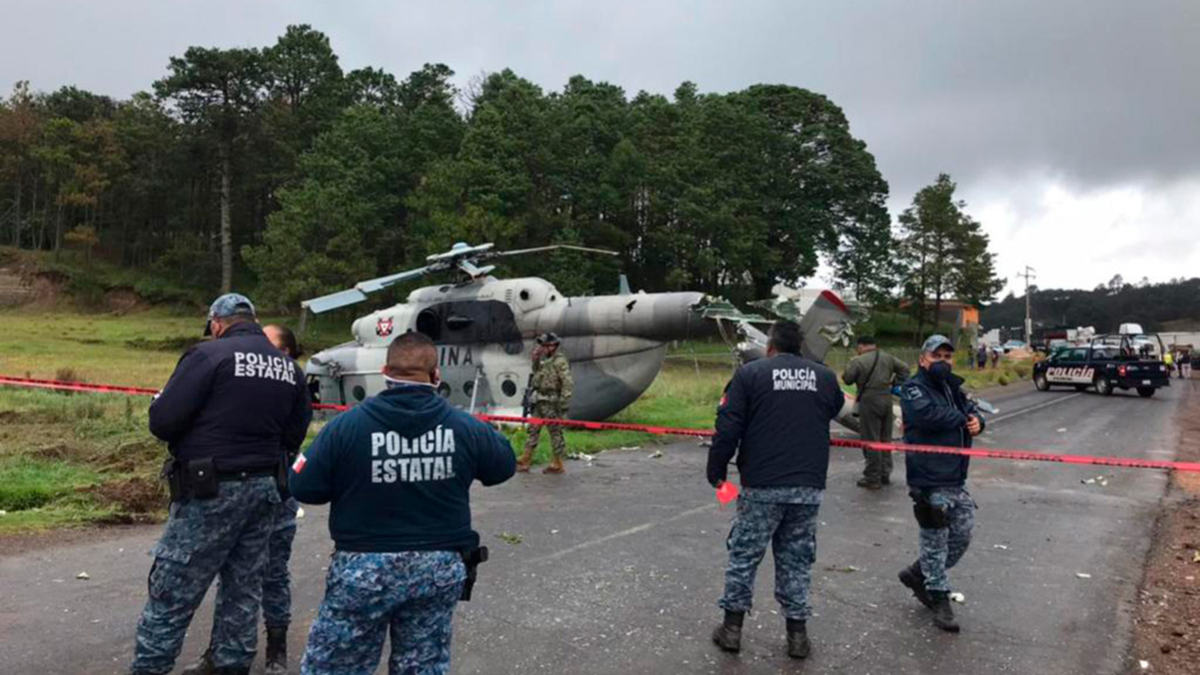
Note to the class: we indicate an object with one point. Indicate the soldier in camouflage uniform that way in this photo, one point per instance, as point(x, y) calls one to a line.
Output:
point(937, 412)
point(775, 418)
point(230, 410)
point(397, 471)
point(874, 372)
point(552, 388)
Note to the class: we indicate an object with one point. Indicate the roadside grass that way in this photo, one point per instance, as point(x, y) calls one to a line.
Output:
point(75, 459)
point(138, 349)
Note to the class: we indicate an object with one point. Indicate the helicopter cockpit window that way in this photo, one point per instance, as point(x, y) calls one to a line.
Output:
point(470, 322)
point(430, 324)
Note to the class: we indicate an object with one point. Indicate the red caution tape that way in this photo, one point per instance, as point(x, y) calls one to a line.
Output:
point(1019, 455)
point(58, 385)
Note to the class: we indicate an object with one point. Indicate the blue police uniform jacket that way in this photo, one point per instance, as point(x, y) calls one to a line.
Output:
point(236, 399)
point(775, 417)
point(397, 471)
point(936, 414)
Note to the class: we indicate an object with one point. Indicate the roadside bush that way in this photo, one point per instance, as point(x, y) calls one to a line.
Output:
point(1003, 380)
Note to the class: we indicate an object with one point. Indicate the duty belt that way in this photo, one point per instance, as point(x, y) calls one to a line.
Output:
point(245, 475)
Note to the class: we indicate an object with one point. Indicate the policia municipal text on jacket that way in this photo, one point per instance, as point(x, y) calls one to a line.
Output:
point(775, 417)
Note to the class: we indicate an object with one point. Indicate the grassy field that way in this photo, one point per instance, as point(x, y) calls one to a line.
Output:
point(88, 458)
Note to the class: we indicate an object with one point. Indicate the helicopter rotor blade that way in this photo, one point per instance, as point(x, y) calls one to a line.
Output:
point(332, 301)
point(554, 247)
point(355, 295)
point(380, 283)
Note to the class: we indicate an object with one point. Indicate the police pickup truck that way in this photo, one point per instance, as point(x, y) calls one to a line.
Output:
point(1108, 362)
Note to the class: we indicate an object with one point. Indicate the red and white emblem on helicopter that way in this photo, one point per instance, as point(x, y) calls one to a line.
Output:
point(384, 327)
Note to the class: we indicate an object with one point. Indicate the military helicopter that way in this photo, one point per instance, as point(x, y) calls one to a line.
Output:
point(485, 328)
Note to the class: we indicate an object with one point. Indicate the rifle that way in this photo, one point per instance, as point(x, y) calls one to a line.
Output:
point(527, 399)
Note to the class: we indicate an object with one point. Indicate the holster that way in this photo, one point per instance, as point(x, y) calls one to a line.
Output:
point(929, 516)
point(281, 475)
point(472, 558)
point(172, 472)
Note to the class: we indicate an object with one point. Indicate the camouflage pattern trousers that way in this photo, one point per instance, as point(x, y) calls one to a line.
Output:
point(557, 442)
point(410, 595)
point(941, 548)
point(276, 577)
point(227, 536)
point(791, 530)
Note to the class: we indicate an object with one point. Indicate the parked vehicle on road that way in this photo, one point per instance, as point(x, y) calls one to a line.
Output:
point(1108, 363)
point(1013, 344)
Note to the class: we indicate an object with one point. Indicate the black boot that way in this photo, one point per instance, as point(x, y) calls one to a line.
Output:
point(203, 665)
point(797, 639)
point(869, 483)
point(914, 579)
point(276, 651)
point(943, 614)
point(728, 636)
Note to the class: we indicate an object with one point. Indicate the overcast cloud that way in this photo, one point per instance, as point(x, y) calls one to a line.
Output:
point(1070, 125)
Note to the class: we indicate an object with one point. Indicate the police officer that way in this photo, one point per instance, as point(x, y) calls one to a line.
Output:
point(397, 470)
point(937, 412)
point(875, 372)
point(551, 388)
point(775, 418)
point(228, 412)
point(276, 584)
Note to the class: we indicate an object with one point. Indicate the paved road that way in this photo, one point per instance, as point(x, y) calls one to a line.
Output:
point(620, 565)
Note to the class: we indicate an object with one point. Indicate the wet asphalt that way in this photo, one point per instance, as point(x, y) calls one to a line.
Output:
point(619, 565)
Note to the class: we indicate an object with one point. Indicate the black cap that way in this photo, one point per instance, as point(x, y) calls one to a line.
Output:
point(865, 340)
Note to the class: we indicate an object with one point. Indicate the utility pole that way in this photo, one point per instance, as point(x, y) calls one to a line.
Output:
point(1028, 274)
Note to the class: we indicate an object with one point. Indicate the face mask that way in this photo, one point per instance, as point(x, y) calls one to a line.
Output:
point(939, 370)
point(392, 383)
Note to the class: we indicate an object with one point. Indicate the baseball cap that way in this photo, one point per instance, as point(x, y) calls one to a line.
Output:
point(230, 304)
point(935, 342)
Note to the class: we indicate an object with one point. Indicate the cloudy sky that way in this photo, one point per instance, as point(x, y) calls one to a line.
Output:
point(1071, 126)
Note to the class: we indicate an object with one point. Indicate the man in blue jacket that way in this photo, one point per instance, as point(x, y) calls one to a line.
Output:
point(937, 412)
point(775, 417)
point(231, 410)
point(397, 471)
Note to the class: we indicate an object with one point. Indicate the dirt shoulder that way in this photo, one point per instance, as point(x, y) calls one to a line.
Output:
point(14, 544)
point(1167, 625)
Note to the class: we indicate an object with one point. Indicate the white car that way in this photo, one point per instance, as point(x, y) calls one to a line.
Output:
point(1011, 345)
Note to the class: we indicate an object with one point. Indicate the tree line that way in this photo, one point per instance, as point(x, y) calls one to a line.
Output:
point(273, 169)
point(1105, 307)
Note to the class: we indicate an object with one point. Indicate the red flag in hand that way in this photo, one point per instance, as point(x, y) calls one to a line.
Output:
point(726, 492)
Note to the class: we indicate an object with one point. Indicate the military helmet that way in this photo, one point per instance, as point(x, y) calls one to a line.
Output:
point(548, 339)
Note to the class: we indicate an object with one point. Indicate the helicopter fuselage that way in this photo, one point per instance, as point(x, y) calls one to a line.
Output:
point(485, 329)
